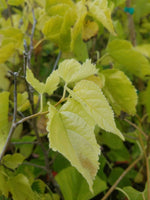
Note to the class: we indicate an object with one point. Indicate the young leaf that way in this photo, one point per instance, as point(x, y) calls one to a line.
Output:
point(74, 187)
point(90, 29)
point(72, 71)
point(90, 96)
point(127, 56)
point(36, 84)
point(4, 101)
point(120, 92)
point(13, 161)
point(73, 137)
point(51, 83)
point(49, 87)
point(101, 13)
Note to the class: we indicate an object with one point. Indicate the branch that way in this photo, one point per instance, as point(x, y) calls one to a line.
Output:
point(14, 125)
point(35, 165)
point(57, 60)
point(131, 25)
point(121, 177)
point(135, 126)
point(9, 11)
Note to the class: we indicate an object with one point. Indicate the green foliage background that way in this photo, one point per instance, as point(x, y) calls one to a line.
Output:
point(74, 100)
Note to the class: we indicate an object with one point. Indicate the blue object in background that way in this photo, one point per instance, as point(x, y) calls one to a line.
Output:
point(129, 10)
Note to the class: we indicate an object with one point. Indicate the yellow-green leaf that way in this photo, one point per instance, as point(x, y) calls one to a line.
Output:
point(48, 87)
point(14, 35)
point(100, 11)
point(52, 28)
point(52, 83)
point(78, 26)
point(36, 84)
point(73, 137)
point(144, 49)
point(13, 161)
point(120, 92)
point(23, 102)
point(15, 2)
point(50, 3)
point(129, 58)
point(90, 29)
point(72, 71)
point(90, 96)
point(4, 81)
point(20, 188)
point(4, 101)
point(6, 51)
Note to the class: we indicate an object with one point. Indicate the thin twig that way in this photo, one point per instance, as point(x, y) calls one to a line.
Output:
point(31, 39)
point(121, 177)
point(135, 126)
point(9, 11)
point(131, 25)
point(20, 143)
point(57, 60)
point(35, 165)
point(13, 126)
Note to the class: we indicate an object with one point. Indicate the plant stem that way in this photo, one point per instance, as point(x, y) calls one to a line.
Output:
point(10, 16)
point(57, 60)
point(131, 25)
point(13, 126)
point(121, 177)
point(135, 126)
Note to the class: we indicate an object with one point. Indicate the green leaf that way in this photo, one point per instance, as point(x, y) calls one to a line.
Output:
point(15, 2)
point(120, 92)
point(52, 28)
point(101, 13)
point(145, 99)
point(129, 58)
point(49, 87)
point(74, 187)
point(14, 35)
point(65, 32)
point(3, 182)
point(133, 194)
point(56, 6)
point(72, 71)
point(13, 161)
point(4, 81)
point(4, 101)
point(58, 9)
point(20, 188)
point(38, 186)
point(73, 137)
point(144, 49)
point(78, 26)
point(6, 51)
point(90, 96)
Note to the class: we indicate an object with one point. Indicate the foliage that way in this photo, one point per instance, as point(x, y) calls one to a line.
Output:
point(74, 100)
